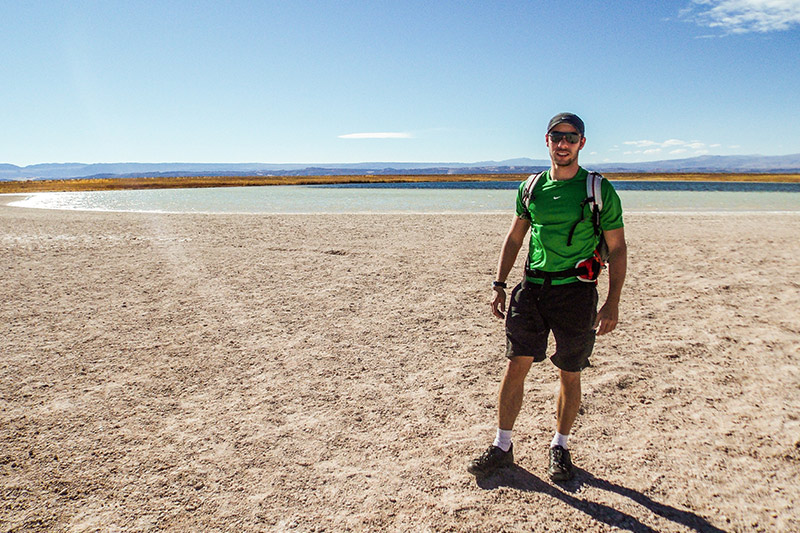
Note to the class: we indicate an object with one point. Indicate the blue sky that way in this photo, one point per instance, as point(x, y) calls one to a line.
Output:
point(352, 81)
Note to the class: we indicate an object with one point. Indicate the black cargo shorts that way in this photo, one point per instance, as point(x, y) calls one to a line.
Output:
point(569, 311)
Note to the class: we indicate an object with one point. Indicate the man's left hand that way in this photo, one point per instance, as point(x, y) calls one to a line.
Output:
point(607, 318)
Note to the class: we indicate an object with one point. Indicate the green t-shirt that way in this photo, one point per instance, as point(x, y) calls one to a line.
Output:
point(554, 209)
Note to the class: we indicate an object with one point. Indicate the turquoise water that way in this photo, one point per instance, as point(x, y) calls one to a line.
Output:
point(395, 199)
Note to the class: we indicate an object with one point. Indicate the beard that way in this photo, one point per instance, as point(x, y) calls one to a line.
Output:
point(563, 161)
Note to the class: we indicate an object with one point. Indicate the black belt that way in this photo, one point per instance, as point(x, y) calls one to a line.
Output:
point(560, 274)
point(587, 270)
point(548, 277)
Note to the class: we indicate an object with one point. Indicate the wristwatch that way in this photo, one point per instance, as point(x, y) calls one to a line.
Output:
point(500, 284)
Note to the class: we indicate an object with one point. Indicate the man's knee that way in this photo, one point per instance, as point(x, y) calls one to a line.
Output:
point(570, 380)
point(569, 376)
point(518, 367)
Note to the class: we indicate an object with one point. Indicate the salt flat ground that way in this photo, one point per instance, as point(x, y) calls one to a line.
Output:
point(337, 372)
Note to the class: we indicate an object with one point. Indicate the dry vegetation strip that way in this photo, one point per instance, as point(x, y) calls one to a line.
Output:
point(109, 184)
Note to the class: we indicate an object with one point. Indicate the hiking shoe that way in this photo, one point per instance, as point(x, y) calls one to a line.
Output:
point(490, 460)
point(560, 464)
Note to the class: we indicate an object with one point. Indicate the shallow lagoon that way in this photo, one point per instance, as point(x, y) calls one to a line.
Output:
point(433, 197)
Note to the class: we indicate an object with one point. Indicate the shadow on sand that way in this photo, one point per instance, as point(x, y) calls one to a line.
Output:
point(518, 478)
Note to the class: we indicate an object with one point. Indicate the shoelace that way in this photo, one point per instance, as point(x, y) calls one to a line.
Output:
point(558, 458)
point(487, 455)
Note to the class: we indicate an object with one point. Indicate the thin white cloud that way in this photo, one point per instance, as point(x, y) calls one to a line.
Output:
point(672, 142)
point(377, 135)
point(641, 144)
point(673, 147)
point(745, 16)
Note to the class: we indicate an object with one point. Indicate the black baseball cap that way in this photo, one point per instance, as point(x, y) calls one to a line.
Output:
point(566, 118)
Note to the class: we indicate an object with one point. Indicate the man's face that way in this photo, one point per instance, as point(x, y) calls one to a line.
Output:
point(562, 152)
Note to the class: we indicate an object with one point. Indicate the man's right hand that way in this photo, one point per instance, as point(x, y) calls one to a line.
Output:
point(499, 302)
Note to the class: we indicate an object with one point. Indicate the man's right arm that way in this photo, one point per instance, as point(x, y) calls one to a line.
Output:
point(508, 256)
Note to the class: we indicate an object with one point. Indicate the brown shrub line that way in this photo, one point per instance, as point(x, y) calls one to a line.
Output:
point(109, 184)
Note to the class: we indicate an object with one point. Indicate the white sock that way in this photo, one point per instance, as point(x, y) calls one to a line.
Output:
point(559, 440)
point(503, 439)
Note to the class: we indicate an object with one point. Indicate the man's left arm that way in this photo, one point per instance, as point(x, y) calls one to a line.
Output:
point(608, 316)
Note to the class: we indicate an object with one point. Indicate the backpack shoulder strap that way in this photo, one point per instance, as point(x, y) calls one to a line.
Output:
point(530, 184)
point(594, 196)
point(594, 190)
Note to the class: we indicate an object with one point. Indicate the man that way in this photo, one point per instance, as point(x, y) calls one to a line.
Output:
point(551, 297)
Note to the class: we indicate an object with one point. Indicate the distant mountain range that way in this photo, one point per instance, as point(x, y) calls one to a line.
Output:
point(709, 163)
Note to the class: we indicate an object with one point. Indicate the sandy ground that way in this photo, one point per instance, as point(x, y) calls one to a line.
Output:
point(310, 373)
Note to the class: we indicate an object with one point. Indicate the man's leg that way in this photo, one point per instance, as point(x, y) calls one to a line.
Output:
point(512, 390)
point(509, 403)
point(569, 401)
point(572, 313)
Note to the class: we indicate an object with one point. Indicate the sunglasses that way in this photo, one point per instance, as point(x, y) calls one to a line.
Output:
point(572, 138)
